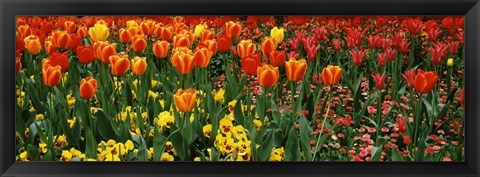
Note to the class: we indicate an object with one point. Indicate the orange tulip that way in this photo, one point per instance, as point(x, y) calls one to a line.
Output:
point(49, 47)
point(269, 44)
point(250, 64)
point(295, 70)
point(82, 32)
point(88, 88)
point(207, 35)
point(33, 44)
point(18, 65)
point(181, 40)
point(124, 35)
point(424, 81)
point(233, 29)
point(246, 48)
point(139, 44)
point(139, 65)
point(185, 100)
point(267, 75)
point(103, 51)
point(85, 54)
point(24, 31)
point(99, 32)
point(70, 26)
point(277, 58)
point(160, 49)
point(210, 44)
point(119, 64)
point(165, 33)
point(331, 74)
point(57, 59)
point(224, 43)
point(202, 56)
point(51, 75)
point(61, 39)
point(147, 26)
point(183, 60)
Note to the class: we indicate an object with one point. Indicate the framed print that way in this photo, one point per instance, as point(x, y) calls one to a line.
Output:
point(144, 88)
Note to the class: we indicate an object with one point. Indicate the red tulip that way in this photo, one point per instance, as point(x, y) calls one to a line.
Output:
point(57, 59)
point(358, 56)
point(402, 125)
point(424, 81)
point(224, 43)
point(250, 64)
point(277, 58)
point(88, 88)
point(379, 80)
point(85, 54)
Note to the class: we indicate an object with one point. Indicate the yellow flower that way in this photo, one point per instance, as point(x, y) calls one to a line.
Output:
point(226, 125)
point(152, 94)
point(165, 119)
point(230, 146)
point(39, 117)
point(70, 101)
point(278, 154)
point(277, 34)
point(231, 105)
point(207, 129)
point(66, 156)
point(154, 83)
point(239, 133)
point(71, 122)
point(198, 29)
point(450, 62)
point(129, 145)
point(257, 123)
point(166, 157)
point(99, 32)
point(131, 23)
point(169, 147)
point(197, 159)
point(24, 156)
point(219, 96)
point(112, 158)
point(150, 153)
point(43, 147)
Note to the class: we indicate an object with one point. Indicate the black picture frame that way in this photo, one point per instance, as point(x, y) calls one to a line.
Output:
point(10, 8)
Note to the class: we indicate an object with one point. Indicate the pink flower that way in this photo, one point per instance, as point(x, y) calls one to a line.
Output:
point(371, 110)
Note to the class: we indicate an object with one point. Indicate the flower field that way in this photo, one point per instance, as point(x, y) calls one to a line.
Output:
point(240, 88)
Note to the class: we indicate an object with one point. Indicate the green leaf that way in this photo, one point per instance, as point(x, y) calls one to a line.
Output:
point(91, 145)
point(104, 126)
point(237, 113)
point(376, 153)
point(266, 148)
point(275, 112)
point(305, 133)
point(158, 142)
point(178, 143)
point(396, 155)
point(292, 150)
point(33, 152)
point(142, 150)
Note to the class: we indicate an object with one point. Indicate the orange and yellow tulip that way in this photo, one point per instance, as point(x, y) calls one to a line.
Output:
point(160, 49)
point(103, 50)
point(202, 56)
point(139, 44)
point(181, 40)
point(33, 44)
point(51, 75)
point(61, 39)
point(88, 88)
point(147, 26)
point(139, 65)
point(124, 35)
point(267, 75)
point(295, 70)
point(424, 81)
point(82, 32)
point(182, 59)
point(99, 32)
point(18, 65)
point(185, 100)
point(207, 35)
point(165, 33)
point(119, 64)
point(24, 31)
point(210, 44)
point(49, 47)
point(70, 26)
point(233, 29)
point(246, 48)
point(331, 75)
point(269, 44)
point(59, 59)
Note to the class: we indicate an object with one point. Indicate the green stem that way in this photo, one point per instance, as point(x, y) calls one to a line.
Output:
point(323, 125)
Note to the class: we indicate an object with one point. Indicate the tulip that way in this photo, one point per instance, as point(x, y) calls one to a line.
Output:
point(210, 44)
point(33, 44)
point(88, 88)
point(103, 51)
point(160, 49)
point(18, 65)
point(124, 35)
point(202, 56)
point(119, 64)
point(223, 43)
point(277, 34)
point(250, 64)
point(181, 40)
point(331, 75)
point(49, 47)
point(390, 54)
point(147, 26)
point(269, 44)
point(461, 96)
point(407, 140)
point(358, 56)
point(85, 54)
point(57, 59)
point(246, 48)
point(99, 32)
point(381, 59)
point(409, 77)
point(139, 44)
point(131, 23)
point(61, 39)
point(402, 125)
point(414, 26)
point(182, 59)
point(311, 51)
point(207, 35)
point(336, 45)
point(379, 80)
point(139, 65)
point(19, 44)
point(295, 70)
point(233, 29)
point(437, 53)
point(453, 47)
point(24, 31)
point(70, 26)
point(82, 32)
point(450, 62)
point(165, 33)
point(267, 75)
point(185, 100)
point(424, 81)
point(277, 58)
point(404, 47)
point(199, 29)
point(51, 75)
